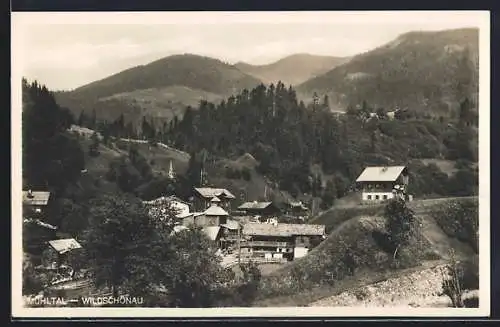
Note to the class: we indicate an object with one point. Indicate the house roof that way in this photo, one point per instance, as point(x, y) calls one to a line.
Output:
point(254, 205)
point(209, 192)
point(215, 199)
point(81, 129)
point(231, 224)
point(65, 245)
point(184, 215)
point(215, 210)
point(40, 223)
point(380, 174)
point(297, 204)
point(262, 229)
point(211, 232)
point(40, 198)
point(171, 198)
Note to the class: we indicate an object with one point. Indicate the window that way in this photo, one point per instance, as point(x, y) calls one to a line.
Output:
point(385, 197)
point(377, 197)
point(369, 197)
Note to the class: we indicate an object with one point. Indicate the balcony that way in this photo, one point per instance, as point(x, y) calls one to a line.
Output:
point(267, 243)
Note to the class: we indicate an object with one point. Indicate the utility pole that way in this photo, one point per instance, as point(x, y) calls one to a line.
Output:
point(274, 103)
point(239, 244)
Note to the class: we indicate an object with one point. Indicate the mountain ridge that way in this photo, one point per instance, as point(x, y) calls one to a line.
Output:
point(426, 69)
point(293, 69)
point(140, 90)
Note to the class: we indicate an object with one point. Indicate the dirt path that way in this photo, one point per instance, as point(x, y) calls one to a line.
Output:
point(422, 288)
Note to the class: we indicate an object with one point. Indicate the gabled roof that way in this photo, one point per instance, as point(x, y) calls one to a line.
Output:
point(231, 224)
point(183, 215)
point(380, 174)
point(39, 198)
point(262, 229)
point(215, 210)
point(254, 205)
point(215, 199)
point(209, 192)
point(65, 245)
point(212, 232)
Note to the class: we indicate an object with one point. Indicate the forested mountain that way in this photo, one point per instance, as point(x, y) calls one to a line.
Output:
point(51, 158)
point(287, 139)
point(427, 71)
point(293, 69)
point(160, 89)
point(126, 249)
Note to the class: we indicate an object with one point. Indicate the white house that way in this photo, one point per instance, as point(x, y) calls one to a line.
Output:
point(84, 131)
point(379, 183)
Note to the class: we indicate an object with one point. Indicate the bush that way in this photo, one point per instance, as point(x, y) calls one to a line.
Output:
point(246, 174)
point(472, 302)
point(460, 219)
point(232, 173)
point(400, 224)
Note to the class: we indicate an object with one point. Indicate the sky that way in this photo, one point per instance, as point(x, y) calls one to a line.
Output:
point(68, 50)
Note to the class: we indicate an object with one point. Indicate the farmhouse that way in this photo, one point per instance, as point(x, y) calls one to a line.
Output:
point(213, 216)
point(204, 197)
point(35, 201)
point(279, 242)
point(231, 232)
point(84, 132)
point(296, 208)
point(58, 249)
point(263, 209)
point(379, 183)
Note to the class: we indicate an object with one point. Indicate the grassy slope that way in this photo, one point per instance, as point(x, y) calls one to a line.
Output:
point(250, 190)
point(160, 88)
point(355, 230)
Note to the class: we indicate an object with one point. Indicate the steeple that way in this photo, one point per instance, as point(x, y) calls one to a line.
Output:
point(171, 172)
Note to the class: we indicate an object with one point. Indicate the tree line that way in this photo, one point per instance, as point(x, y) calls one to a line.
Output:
point(127, 249)
point(287, 137)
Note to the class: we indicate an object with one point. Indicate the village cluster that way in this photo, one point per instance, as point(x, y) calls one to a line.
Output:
point(252, 231)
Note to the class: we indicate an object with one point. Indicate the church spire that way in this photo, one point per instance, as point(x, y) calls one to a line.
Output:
point(171, 172)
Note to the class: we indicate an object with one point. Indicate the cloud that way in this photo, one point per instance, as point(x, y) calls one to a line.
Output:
point(69, 55)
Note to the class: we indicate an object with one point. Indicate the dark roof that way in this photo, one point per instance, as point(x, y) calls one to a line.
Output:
point(209, 192)
point(215, 210)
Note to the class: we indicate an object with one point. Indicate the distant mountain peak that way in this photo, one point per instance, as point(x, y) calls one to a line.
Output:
point(293, 69)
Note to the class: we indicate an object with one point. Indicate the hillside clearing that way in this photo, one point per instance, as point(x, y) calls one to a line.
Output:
point(323, 273)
